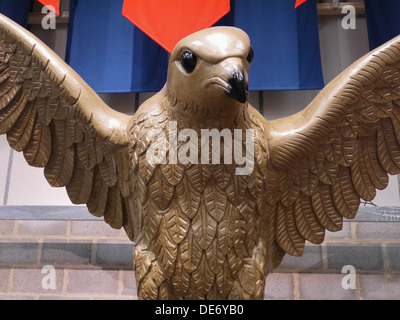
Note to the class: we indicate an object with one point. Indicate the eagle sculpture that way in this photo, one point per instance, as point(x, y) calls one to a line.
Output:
point(205, 230)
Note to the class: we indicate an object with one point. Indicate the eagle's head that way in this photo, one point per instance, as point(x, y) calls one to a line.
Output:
point(210, 69)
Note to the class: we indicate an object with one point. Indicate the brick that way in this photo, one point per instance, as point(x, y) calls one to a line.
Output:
point(42, 227)
point(30, 280)
point(6, 227)
point(17, 297)
point(345, 233)
point(62, 253)
point(310, 260)
point(18, 252)
point(62, 297)
point(324, 287)
point(362, 257)
point(129, 283)
point(380, 287)
point(94, 228)
point(85, 297)
point(130, 298)
point(393, 253)
point(4, 279)
point(114, 254)
point(378, 230)
point(279, 286)
point(95, 282)
point(115, 297)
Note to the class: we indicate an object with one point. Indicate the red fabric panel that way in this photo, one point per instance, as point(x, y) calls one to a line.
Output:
point(53, 3)
point(299, 2)
point(167, 22)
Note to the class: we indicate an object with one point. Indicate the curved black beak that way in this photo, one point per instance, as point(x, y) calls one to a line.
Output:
point(238, 87)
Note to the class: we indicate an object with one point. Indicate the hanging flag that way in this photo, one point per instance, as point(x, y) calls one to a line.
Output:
point(16, 10)
point(383, 21)
point(167, 22)
point(285, 42)
point(109, 52)
point(113, 55)
point(298, 3)
point(52, 4)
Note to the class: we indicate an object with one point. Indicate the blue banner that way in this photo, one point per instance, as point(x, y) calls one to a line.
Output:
point(112, 55)
point(16, 10)
point(383, 21)
point(109, 52)
point(285, 42)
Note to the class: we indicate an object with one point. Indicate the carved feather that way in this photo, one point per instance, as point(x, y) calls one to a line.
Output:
point(359, 174)
point(226, 230)
point(215, 200)
point(86, 151)
point(235, 262)
point(204, 227)
point(236, 189)
point(377, 174)
point(325, 210)
point(98, 198)
point(306, 221)
point(215, 257)
point(190, 253)
point(181, 278)
point(177, 224)
point(80, 186)
point(59, 169)
point(287, 235)
point(152, 221)
point(113, 212)
point(19, 135)
point(388, 148)
point(222, 174)
point(188, 198)
point(198, 176)
point(203, 277)
point(160, 190)
point(308, 181)
point(166, 250)
point(224, 280)
point(108, 170)
point(38, 150)
point(10, 114)
point(173, 172)
point(124, 175)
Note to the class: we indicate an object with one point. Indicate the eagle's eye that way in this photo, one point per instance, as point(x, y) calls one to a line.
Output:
point(188, 60)
point(250, 56)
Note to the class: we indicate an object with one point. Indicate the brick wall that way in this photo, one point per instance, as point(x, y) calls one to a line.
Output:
point(373, 248)
point(93, 261)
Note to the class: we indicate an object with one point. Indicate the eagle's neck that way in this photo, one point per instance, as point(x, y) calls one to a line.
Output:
point(194, 116)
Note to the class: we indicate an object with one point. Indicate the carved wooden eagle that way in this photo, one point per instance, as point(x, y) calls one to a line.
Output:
point(202, 231)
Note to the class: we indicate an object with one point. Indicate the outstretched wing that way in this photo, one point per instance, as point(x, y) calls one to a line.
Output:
point(339, 149)
point(61, 124)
